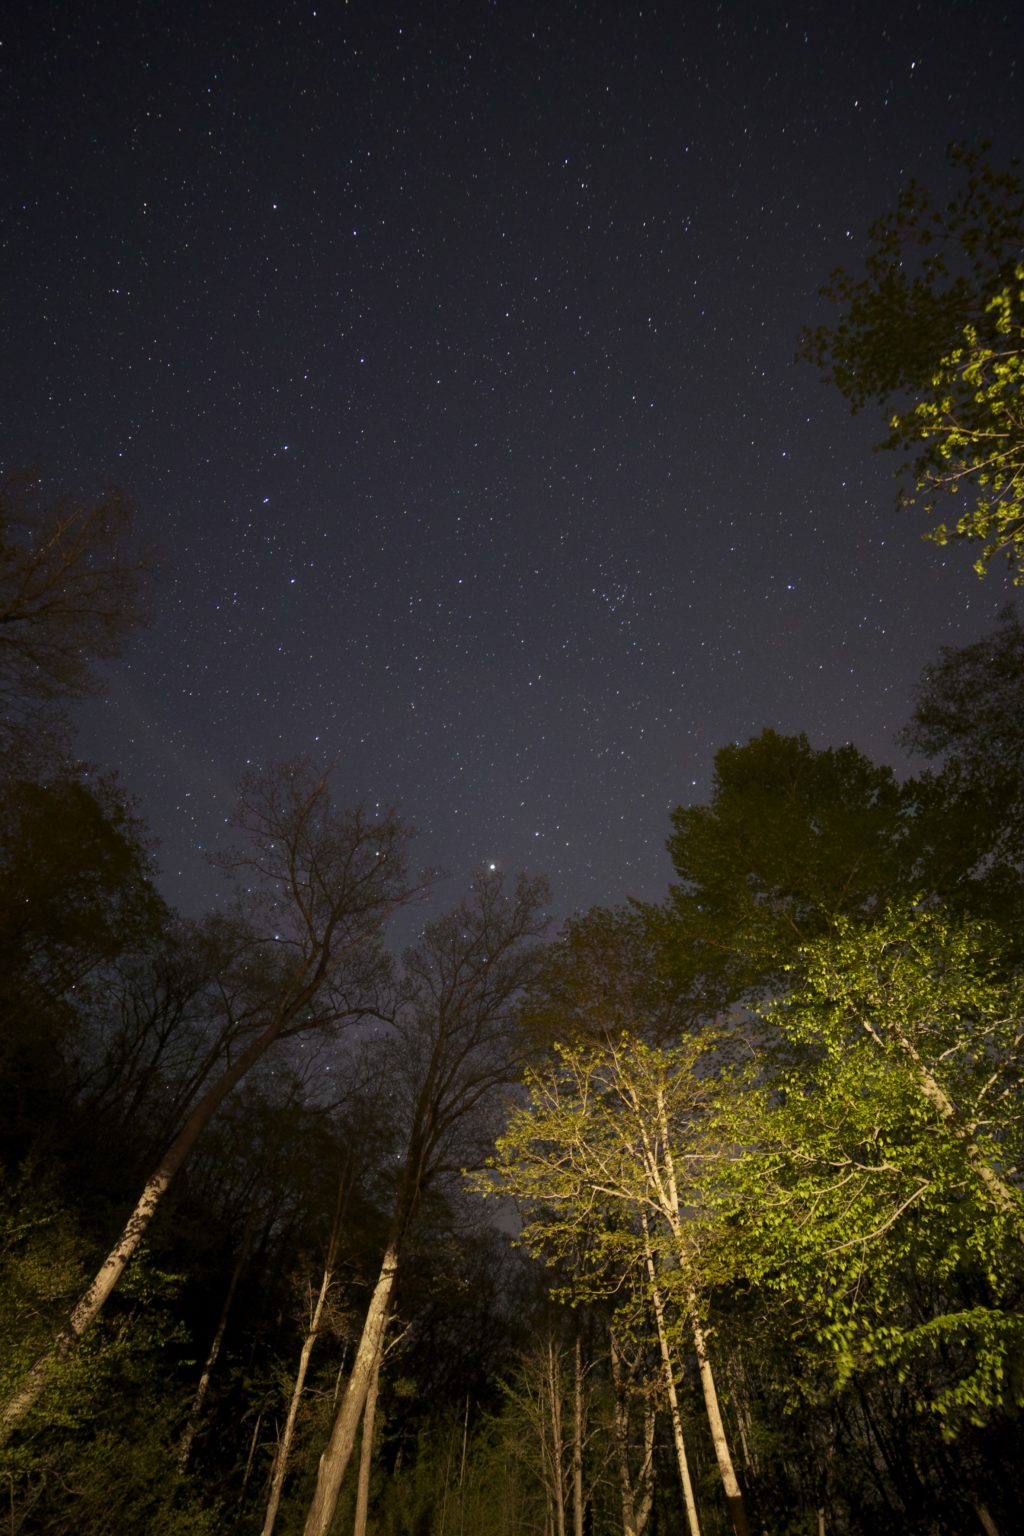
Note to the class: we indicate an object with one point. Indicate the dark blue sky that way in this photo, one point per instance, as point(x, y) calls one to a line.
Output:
point(448, 350)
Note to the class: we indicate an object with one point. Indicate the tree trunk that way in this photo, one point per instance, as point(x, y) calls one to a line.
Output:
point(366, 1449)
point(185, 1449)
point(577, 1436)
point(305, 1355)
point(335, 1459)
point(733, 1496)
point(658, 1304)
point(554, 1384)
point(730, 1484)
point(25, 1397)
point(988, 1524)
point(284, 1448)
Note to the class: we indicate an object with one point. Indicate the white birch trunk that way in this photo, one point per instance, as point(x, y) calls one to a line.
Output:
point(719, 1438)
point(730, 1485)
point(658, 1305)
point(284, 1448)
point(335, 1459)
point(366, 1450)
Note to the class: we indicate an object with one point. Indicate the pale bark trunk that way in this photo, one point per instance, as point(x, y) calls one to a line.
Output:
point(726, 1471)
point(185, 1449)
point(622, 1452)
point(730, 1485)
point(658, 1305)
point(577, 1438)
point(305, 1355)
point(335, 1459)
point(288, 1434)
point(366, 1450)
point(988, 1524)
point(252, 1453)
point(24, 1399)
point(1003, 1197)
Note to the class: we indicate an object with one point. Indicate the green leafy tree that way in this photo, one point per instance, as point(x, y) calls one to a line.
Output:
point(882, 1169)
point(626, 1125)
point(791, 838)
point(933, 331)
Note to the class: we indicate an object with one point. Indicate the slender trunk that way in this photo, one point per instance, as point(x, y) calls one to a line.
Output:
point(988, 1524)
point(462, 1469)
point(252, 1453)
point(305, 1355)
point(366, 1449)
point(554, 1385)
point(622, 1467)
point(335, 1459)
point(577, 1436)
point(658, 1305)
point(25, 1397)
point(185, 1449)
point(730, 1485)
point(726, 1471)
point(284, 1447)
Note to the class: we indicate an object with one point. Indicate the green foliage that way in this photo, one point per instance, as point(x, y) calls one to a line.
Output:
point(790, 838)
point(933, 332)
point(874, 1186)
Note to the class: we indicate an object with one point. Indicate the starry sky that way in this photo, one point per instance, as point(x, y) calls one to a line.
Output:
point(448, 350)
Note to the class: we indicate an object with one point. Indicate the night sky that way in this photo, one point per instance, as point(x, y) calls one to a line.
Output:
point(448, 352)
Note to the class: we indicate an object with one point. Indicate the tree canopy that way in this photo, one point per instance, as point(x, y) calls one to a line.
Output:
point(932, 330)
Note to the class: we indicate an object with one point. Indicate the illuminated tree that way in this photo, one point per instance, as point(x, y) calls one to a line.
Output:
point(934, 332)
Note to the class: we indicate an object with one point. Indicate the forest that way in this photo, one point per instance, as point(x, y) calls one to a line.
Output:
point(697, 1216)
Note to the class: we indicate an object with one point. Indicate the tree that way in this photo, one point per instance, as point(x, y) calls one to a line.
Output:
point(76, 897)
point(934, 332)
point(627, 1124)
point(70, 589)
point(324, 882)
point(882, 1168)
point(969, 718)
point(791, 837)
point(455, 1043)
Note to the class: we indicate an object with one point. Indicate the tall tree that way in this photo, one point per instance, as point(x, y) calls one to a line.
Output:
point(933, 331)
point(626, 1123)
point(323, 883)
point(882, 1168)
point(455, 1043)
point(791, 837)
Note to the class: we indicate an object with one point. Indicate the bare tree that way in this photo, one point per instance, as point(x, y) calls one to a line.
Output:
point(317, 885)
point(457, 1043)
